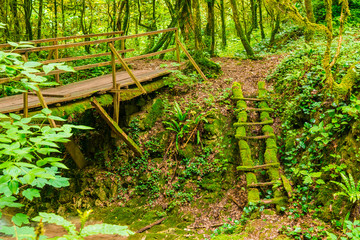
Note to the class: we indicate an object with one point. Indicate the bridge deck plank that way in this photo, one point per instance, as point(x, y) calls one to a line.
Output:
point(79, 89)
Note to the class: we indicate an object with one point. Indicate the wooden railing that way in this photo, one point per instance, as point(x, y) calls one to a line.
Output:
point(59, 39)
point(116, 57)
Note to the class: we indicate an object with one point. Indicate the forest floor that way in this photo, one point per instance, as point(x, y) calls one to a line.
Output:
point(249, 73)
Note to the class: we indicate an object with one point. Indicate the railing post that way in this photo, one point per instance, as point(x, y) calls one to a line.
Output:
point(121, 60)
point(113, 67)
point(122, 45)
point(177, 46)
point(117, 103)
point(56, 56)
point(26, 104)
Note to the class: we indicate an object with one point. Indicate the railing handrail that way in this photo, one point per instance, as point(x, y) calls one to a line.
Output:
point(70, 45)
point(83, 67)
point(58, 39)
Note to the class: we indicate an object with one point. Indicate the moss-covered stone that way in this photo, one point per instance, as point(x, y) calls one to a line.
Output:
point(261, 85)
point(156, 112)
point(251, 178)
point(263, 104)
point(262, 93)
point(271, 143)
point(187, 151)
point(287, 185)
point(245, 155)
point(267, 130)
point(237, 91)
point(241, 105)
point(241, 132)
point(270, 155)
point(230, 237)
point(264, 116)
point(242, 116)
point(274, 174)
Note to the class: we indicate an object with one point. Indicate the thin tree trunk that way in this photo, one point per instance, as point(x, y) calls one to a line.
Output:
point(210, 27)
point(240, 31)
point(197, 25)
point(15, 20)
point(275, 30)
point(310, 15)
point(40, 19)
point(63, 17)
point(223, 25)
point(261, 20)
point(27, 14)
point(4, 19)
point(56, 22)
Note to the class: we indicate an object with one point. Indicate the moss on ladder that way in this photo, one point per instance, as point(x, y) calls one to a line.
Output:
point(278, 182)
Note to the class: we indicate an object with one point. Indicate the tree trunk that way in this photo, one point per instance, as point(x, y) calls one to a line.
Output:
point(63, 17)
point(27, 14)
point(309, 33)
point(275, 30)
point(197, 25)
point(15, 20)
point(223, 26)
point(210, 27)
point(4, 19)
point(240, 31)
point(56, 23)
point(261, 20)
point(40, 19)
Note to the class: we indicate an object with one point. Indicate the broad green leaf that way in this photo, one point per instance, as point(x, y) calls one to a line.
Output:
point(14, 116)
point(41, 163)
point(58, 220)
point(13, 171)
point(13, 186)
point(56, 118)
point(59, 165)
point(9, 202)
point(21, 232)
point(20, 219)
point(31, 64)
point(65, 68)
point(13, 44)
point(82, 127)
point(59, 182)
point(29, 178)
point(46, 151)
point(106, 229)
point(46, 111)
point(48, 68)
point(30, 193)
point(4, 179)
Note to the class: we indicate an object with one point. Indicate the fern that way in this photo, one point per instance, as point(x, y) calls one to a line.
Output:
point(350, 189)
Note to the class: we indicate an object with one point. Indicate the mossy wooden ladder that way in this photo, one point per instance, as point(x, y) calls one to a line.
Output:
point(271, 164)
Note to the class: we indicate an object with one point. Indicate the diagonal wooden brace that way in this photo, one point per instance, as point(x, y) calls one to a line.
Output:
point(138, 84)
point(115, 127)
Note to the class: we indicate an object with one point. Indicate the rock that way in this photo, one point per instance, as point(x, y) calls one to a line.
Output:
point(101, 193)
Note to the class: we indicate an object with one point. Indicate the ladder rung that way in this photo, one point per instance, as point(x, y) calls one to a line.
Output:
point(249, 99)
point(255, 137)
point(238, 124)
point(255, 110)
point(258, 167)
point(273, 200)
point(263, 184)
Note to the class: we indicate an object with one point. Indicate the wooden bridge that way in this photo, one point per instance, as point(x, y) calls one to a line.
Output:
point(124, 82)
